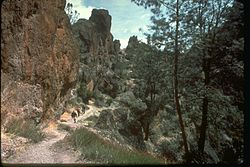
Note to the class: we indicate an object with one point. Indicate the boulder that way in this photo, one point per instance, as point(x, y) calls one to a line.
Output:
point(66, 116)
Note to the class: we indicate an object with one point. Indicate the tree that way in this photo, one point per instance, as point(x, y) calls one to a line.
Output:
point(73, 15)
point(209, 16)
point(176, 91)
point(216, 53)
point(183, 24)
point(147, 70)
point(166, 19)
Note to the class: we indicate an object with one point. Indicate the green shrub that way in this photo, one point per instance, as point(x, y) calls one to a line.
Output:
point(109, 101)
point(97, 149)
point(91, 120)
point(72, 102)
point(169, 150)
point(165, 133)
point(65, 127)
point(26, 129)
point(84, 93)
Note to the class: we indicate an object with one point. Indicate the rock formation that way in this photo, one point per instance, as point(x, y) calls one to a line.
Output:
point(102, 20)
point(132, 42)
point(98, 51)
point(94, 34)
point(117, 46)
point(39, 61)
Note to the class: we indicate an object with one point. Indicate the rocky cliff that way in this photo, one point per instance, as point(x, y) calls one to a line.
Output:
point(98, 51)
point(94, 34)
point(39, 58)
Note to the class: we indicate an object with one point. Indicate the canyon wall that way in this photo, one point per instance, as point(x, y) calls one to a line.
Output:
point(39, 59)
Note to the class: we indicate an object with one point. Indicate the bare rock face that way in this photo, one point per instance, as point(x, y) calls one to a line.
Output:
point(94, 34)
point(132, 42)
point(97, 51)
point(39, 61)
point(117, 46)
point(84, 30)
point(102, 20)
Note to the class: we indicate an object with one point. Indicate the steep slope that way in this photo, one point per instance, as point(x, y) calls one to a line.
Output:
point(39, 61)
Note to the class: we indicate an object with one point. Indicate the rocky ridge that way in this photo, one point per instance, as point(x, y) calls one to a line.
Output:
point(98, 52)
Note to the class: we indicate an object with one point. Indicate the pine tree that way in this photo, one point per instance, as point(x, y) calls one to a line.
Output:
point(146, 63)
point(166, 27)
point(191, 29)
point(209, 15)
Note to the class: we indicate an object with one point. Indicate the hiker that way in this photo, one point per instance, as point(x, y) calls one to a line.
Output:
point(78, 111)
point(83, 109)
point(74, 115)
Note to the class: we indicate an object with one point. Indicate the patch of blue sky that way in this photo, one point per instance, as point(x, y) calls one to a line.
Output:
point(127, 17)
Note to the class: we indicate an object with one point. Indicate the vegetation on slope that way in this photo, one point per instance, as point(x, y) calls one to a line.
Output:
point(26, 129)
point(99, 150)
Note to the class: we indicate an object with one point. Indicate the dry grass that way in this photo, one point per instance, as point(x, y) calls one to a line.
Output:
point(96, 149)
point(25, 129)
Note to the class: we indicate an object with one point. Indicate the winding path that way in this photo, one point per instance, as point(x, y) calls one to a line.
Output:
point(44, 152)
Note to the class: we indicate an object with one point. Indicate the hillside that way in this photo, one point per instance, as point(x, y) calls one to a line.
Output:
point(176, 99)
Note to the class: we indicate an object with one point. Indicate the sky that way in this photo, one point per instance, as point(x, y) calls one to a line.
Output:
point(127, 17)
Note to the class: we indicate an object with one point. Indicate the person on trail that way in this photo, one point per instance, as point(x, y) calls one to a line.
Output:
point(78, 111)
point(73, 115)
point(83, 109)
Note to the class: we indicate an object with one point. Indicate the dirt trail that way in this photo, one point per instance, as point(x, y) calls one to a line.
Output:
point(44, 152)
